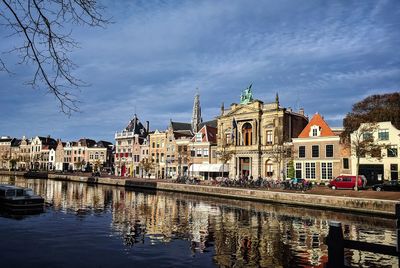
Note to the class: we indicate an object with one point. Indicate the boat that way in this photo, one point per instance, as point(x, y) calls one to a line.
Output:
point(20, 199)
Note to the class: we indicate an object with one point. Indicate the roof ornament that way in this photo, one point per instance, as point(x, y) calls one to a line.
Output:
point(246, 96)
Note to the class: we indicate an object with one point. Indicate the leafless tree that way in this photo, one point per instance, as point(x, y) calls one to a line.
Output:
point(45, 40)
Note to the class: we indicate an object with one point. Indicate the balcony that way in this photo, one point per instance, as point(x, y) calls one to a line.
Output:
point(124, 134)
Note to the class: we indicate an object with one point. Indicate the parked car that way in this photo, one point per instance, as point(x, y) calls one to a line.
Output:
point(387, 186)
point(347, 182)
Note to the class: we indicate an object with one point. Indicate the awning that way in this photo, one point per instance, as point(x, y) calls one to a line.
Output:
point(208, 168)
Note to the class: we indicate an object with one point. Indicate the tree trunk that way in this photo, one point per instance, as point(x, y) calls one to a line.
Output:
point(357, 167)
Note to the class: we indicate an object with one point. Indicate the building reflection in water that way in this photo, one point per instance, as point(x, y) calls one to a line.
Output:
point(239, 233)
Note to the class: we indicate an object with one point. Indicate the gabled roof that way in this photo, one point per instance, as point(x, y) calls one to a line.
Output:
point(5, 139)
point(178, 126)
point(136, 127)
point(183, 133)
point(104, 144)
point(317, 120)
point(15, 142)
point(48, 141)
point(211, 123)
point(87, 142)
point(209, 134)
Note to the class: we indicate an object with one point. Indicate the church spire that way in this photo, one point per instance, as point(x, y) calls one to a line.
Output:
point(196, 117)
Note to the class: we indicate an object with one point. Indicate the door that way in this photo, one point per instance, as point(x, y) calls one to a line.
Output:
point(372, 173)
point(394, 172)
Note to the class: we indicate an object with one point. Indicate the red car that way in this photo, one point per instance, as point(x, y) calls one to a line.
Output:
point(348, 182)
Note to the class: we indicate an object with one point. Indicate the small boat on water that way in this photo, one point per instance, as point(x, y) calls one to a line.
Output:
point(19, 198)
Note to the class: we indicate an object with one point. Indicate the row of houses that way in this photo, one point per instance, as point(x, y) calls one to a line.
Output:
point(251, 139)
point(46, 153)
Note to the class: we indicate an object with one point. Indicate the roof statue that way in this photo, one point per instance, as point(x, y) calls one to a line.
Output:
point(246, 96)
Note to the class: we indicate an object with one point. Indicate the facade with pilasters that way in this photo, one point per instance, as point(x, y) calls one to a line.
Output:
point(254, 131)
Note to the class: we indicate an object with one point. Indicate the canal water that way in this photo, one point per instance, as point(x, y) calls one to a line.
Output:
point(105, 226)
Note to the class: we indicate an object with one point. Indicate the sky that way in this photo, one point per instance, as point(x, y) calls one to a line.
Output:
point(322, 56)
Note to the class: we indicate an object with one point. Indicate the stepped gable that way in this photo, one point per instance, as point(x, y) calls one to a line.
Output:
point(317, 120)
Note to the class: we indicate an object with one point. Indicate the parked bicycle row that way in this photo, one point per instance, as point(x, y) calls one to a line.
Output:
point(245, 182)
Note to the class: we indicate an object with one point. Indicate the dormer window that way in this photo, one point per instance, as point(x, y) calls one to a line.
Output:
point(315, 131)
point(199, 137)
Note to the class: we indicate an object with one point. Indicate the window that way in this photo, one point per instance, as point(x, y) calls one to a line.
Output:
point(298, 170)
point(205, 152)
point(315, 131)
point(329, 150)
point(269, 169)
point(154, 145)
point(193, 153)
point(302, 151)
point(310, 170)
point(326, 171)
point(269, 137)
point(198, 152)
point(199, 137)
point(367, 136)
point(315, 151)
point(345, 163)
point(392, 151)
point(383, 134)
point(129, 141)
point(247, 133)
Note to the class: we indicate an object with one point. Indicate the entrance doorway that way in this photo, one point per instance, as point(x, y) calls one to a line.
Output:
point(373, 173)
point(394, 172)
point(244, 166)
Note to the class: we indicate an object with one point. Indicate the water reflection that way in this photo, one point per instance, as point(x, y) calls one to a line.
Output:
point(235, 233)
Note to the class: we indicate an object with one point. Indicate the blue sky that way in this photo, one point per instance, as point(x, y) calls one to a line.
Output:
point(320, 55)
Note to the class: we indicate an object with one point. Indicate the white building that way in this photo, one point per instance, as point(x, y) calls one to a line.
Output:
point(385, 167)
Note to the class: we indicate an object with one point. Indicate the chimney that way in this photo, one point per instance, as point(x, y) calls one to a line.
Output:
point(301, 111)
point(147, 127)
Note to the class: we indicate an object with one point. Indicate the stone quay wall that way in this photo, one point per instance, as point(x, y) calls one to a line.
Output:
point(337, 203)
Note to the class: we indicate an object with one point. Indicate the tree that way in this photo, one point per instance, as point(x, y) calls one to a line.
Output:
point(6, 156)
point(375, 108)
point(363, 145)
point(278, 154)
point(41, 27)
point(97, 165)
point(13, 163)
point(224, 155)
point(146, 165)
point(291, 171)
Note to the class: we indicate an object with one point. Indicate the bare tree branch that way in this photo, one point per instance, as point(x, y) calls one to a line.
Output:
point(46, 43)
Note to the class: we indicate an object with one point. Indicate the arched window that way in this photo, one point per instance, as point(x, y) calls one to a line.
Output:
point(247, 131)
point(269, 168)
